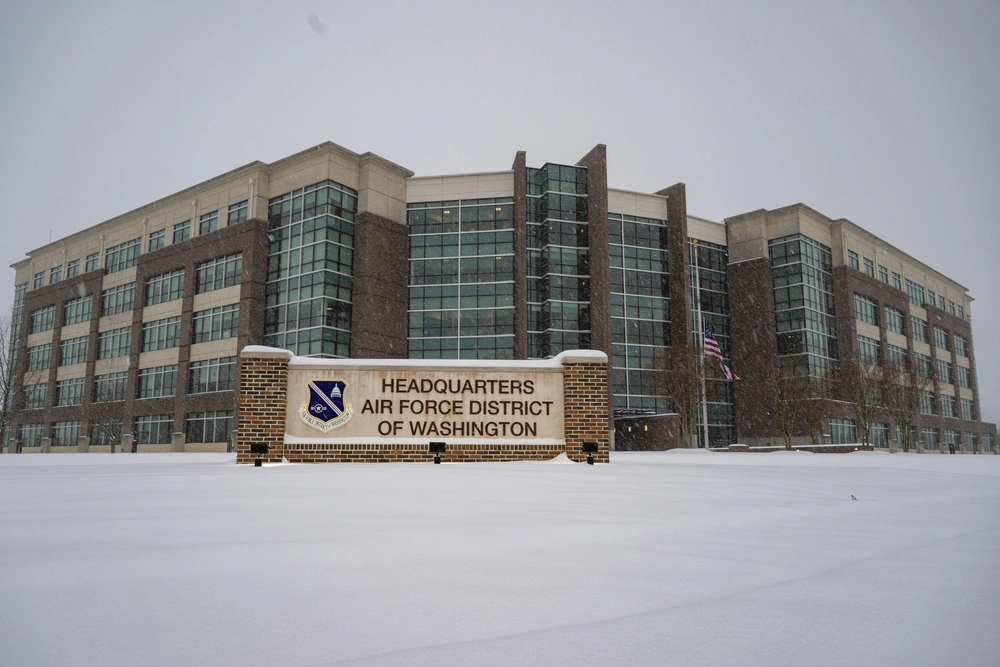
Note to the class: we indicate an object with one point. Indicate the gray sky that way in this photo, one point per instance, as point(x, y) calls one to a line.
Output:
point(883, 113)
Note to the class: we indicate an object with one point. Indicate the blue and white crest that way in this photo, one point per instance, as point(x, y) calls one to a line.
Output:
point(327, 407)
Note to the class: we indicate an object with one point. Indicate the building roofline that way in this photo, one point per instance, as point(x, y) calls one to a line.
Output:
point(256, 165)
point(470, 173)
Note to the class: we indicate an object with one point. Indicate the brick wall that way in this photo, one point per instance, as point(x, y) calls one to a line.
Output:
point(585, 400)
point(261, 400)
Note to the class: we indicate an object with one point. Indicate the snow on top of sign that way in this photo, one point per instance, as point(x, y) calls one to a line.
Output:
point(554, 362)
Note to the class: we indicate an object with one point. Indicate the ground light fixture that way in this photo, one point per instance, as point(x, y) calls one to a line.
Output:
point(437, 449)
point(258, 448)
point(590, 448)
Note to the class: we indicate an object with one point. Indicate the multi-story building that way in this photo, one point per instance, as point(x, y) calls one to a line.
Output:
point(130, 330)
point(816, 293)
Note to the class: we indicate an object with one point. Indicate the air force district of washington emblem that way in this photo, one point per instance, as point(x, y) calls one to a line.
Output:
point(326, 409)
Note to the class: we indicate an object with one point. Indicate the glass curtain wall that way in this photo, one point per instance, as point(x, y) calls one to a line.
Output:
point(803, 302)
point(640, 310)
point(558, 260)
point(707, 263)
point(461, 279)
point(310, 270)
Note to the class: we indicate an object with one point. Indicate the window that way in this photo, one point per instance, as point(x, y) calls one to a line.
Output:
point(55, 274)
point(947, 406)
point(182, 231)
point(940, 302)
point(987, 442)
point(923, 363)
point(65, 434)
point(39, 280)
point(238, 213)
point(930, 439)
point(894, 321)
point(878, 435)
point(842, 431)
point(43, 319)
point(157, 239)
point(208, 223)
point(92, 260)
point(970, 442)
point(897, 357)
point(852, 259)
point(868, 350)
point(964, 377)
point(927, 403)
point(118, 299)
point(915, 292)
point(77, 310)
point(961, 346)
point(110, 387)
point(69, 392)
point(931, 299)
point(883, 274)
point(919, 329)
point(951, 307)
point(968, 409)
point(961, 312)
point(896, 281)
point(941, 338)
point(157, 382)
point(219, 273)
point(209, 426)
point(73, 351)
point(35, 395)
point(30, 435)
point(869, 267)
point(122, 256)
point(216, 323)
point(944, 372)
point(950, 438)
point(165, 287)
point(213, 375)
point(161, 334)
point(105, 432)
point(114, 343)
point(39, 357)
point(73, 269)
point(865, 309)
point(153, 429)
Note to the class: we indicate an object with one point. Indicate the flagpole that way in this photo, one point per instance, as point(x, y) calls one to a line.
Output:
point(701, 332)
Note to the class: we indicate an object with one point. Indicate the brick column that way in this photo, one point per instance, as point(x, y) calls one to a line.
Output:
point(261, 400)
point(585, 400)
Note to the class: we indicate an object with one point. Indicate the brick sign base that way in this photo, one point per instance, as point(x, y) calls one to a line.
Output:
point(266, 412)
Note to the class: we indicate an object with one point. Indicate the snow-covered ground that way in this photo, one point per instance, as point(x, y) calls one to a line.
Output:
point(673, 558)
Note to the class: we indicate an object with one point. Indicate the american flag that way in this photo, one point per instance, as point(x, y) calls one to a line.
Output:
point(713, 351)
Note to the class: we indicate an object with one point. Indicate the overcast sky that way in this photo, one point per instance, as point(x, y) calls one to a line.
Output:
point(883, 113)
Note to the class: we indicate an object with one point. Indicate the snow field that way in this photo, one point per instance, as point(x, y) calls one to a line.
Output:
point(680, 558)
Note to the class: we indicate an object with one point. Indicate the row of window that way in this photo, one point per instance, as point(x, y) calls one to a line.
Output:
point(125, 255)
point(866, 310)
point(914, 291)
point(212, 375)
point(209, 325)
point(213, 426)
point(214, 274)
point(844, 431)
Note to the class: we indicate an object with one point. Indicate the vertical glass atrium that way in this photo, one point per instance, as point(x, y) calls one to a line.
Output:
point(310, 269)
point(558, 260)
